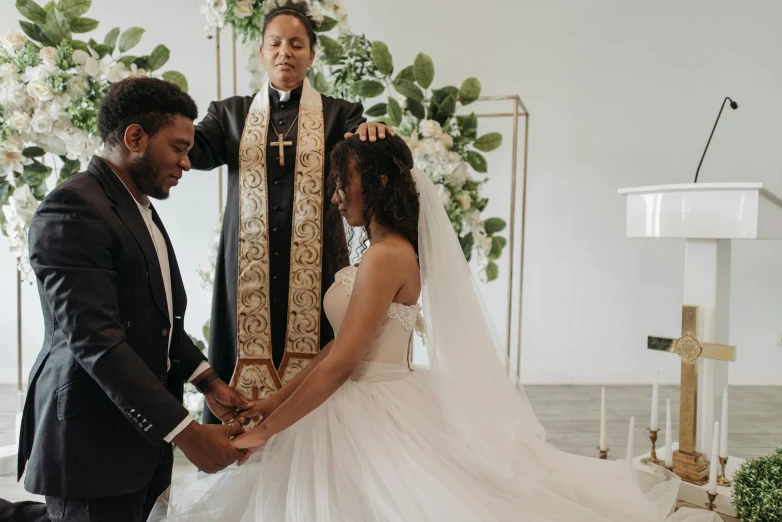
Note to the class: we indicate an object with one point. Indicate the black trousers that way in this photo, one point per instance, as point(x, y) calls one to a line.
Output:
point(133, 507)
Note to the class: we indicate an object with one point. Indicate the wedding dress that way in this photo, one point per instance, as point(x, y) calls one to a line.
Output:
point(453, 441)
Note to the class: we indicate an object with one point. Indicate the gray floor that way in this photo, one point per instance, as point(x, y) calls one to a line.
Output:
point(570, 415)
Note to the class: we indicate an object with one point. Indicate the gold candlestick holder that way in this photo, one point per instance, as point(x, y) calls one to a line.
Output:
point(603, 453)
point(710, 504)
point(722, 480)
point(653, 457)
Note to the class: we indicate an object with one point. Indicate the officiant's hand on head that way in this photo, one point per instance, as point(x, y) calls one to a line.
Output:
point(209, 446)
point(372, 131)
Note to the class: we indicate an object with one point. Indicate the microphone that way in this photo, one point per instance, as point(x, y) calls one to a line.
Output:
point(734, 106)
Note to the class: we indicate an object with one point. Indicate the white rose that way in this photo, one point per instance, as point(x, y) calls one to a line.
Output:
point(459, 175)
point(453, 157)
point(464, 200)
point(94, 67)
point(317, 16)
point(7, 71)
point(431, 129)
point(39, 91)
point(473, 219)
point(118, 72)
point(80, 57)
point(14, 40)
point(243, 9)
point(447, 140)
point(42, 123)
point(19, 121)
point(78, 85)
point(48, 54)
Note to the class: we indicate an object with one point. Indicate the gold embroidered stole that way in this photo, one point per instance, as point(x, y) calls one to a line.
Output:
point(255, 376)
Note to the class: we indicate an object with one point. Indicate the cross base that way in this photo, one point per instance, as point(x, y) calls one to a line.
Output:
point(693, 468)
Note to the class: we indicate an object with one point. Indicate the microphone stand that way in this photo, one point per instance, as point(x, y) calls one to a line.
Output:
point(733, 105)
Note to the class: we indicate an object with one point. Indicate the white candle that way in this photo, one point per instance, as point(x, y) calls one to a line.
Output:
point(724, 426)
point(603, 434)
point(708, 404)
point(630, 439)
point(714, 459)
point(655, 415)
point(668, 443)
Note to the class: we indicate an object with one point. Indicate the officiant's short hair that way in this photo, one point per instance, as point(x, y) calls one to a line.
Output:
point(150, 103)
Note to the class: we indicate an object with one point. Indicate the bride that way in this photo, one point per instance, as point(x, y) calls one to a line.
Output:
point(363, 435)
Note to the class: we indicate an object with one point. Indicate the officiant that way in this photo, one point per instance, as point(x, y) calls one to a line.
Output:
point(278, 252)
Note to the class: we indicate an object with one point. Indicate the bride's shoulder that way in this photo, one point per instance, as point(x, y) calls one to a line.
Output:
point(390, 258)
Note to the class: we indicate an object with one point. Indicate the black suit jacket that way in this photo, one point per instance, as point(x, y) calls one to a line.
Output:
point(100, 400)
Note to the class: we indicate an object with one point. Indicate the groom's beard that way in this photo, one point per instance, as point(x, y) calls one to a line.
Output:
point(145, 175)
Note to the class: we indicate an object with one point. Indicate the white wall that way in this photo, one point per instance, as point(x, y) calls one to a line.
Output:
point(620, 94)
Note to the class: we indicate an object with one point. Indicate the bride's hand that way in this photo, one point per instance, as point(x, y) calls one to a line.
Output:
point(262, 409)
point(251, 441)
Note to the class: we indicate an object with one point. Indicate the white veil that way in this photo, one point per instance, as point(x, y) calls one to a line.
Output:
point(487, 410)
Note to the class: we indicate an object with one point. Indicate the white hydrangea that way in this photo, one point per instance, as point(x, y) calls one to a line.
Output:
point(214, 10)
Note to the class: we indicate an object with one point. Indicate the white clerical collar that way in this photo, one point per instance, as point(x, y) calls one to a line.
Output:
point(284, 95)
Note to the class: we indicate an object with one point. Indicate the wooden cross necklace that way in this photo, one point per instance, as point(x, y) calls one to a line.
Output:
point(281, 143)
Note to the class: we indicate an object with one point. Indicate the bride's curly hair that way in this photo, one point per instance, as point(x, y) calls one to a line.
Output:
point(394, 205)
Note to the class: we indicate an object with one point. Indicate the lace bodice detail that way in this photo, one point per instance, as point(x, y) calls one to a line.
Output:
point(392, 343)
point(405, 314)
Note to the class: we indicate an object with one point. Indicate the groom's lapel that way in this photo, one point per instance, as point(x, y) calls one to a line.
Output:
point(127, 210)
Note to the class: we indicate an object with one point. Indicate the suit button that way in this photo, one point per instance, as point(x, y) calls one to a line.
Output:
point(282, 122)
point(274, 278)
point(276, 254)
point(282, 106)
point(164, 332)
point(130, 323)
point(277, 182)
point(276, 207)
point(275, 229)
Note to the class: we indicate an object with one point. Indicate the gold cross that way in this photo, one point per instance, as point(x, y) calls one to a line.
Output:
point(281, 144)
point(687, 463)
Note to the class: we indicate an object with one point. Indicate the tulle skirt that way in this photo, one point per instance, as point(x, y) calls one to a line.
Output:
point(380, 449)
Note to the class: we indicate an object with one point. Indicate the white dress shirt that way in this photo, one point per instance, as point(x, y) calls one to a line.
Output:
point(159, 241)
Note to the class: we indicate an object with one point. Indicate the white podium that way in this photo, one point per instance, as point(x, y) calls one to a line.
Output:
point(708, 216)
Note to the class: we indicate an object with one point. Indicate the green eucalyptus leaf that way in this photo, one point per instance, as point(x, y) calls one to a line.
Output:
point(424, 70)
point(394, 112)
point(32, 11)
point(158, 58)
point(130, 38)
point(488, 142)
point(409, 89)
point(470, 91)
point(382, 58)
point(379, 109)
point(176, 78)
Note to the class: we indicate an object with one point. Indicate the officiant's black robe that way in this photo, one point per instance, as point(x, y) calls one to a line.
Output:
point(217, 140)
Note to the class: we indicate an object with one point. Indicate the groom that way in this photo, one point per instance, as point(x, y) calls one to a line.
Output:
point(105, 395)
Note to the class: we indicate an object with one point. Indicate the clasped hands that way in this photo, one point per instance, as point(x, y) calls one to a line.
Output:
point(213, 447)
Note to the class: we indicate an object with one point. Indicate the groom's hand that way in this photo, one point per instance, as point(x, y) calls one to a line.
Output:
point(225, 402)
point(209, 446)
